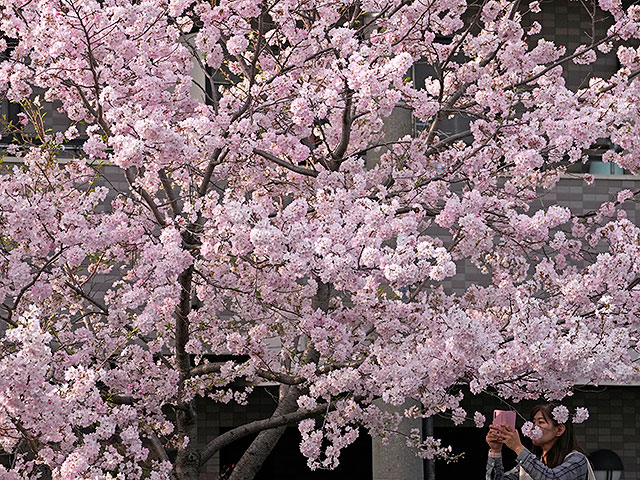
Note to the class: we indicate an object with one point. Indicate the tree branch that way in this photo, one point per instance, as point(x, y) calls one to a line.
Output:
point(146, 197)
point(216, 157)
point(259, 425)
point(340, 150)
point(120, 399)
point(89, 299)
point(561, 61)
point(279, 377)
point(158, 447)
point(30, 284)
point(168, 191)
point(285, 164)
point(447, 141)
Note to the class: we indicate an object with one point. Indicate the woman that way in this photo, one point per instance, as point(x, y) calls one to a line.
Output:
point(560, 455)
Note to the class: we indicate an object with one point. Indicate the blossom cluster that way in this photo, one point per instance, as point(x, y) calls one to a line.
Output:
point(238, 196)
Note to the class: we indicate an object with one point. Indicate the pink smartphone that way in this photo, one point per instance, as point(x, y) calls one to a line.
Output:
point(501, 417)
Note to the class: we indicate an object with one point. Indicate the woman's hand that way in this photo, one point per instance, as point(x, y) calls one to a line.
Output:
point(493, 439)
point(510, 437)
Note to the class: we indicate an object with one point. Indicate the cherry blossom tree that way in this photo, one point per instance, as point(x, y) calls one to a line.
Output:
point(271, 222)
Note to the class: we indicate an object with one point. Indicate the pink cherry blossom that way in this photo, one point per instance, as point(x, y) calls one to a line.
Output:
point(560, 414)
point(581, 414)
point(246, 209)
point(532, 431)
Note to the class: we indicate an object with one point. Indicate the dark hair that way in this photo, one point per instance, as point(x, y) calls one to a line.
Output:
point(566, 442)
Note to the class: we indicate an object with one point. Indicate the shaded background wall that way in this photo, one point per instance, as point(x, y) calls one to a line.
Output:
point(614, 424)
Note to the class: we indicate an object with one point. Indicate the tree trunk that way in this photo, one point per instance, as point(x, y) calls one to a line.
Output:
point(187, 466)
point(261, 447)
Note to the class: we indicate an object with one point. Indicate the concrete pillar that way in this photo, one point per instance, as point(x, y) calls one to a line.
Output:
point(430, 464)
point(396, 126)
point(396, 461)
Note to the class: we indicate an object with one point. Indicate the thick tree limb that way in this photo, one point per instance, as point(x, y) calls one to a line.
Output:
point(161, 452)
point(215, 160)
point(285, 164)
point(168, 191)
point(120, 400)
point(158, 447)
point(347, 115)
point(186, 418)
point(447, 141)
point(254, 456)
point(259, 425)
point(279, 377)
